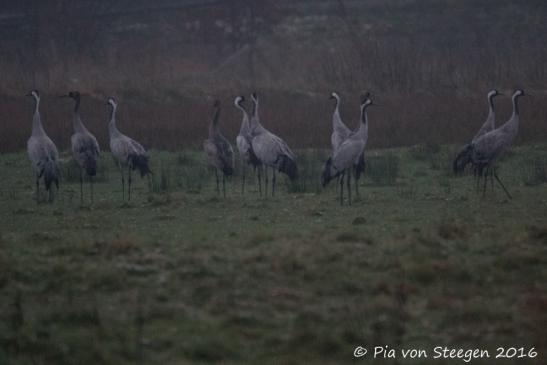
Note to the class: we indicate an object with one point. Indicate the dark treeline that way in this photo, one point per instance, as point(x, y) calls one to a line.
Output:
point(428, 62)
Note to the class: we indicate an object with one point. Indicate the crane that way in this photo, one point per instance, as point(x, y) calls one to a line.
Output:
point(85, 147)
point(42, 153)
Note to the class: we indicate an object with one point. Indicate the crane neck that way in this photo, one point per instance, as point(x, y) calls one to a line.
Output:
point(363, 127)
point(245, 122)
point(76, 120)
point(491, 112)
point(112, 129)
point(512, 125)
point(213, 127)
point(515, 105)
point(364, 117)
point(255, 110)
point(37, 128)
point(256, 126)
point(491, 103)
point(336, 112)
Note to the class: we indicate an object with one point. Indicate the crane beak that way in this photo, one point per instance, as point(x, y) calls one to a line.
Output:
point(28, 94)
point(63, 96)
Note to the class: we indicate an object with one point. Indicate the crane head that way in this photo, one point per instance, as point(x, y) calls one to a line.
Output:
point(365, 102)
point(254, 97)
point(493, 93)
point(112, 102)
point(365, 97)
point(519, 92)
point(238, 100)
point(34, 93)
point(334, 95)
point(216, 104)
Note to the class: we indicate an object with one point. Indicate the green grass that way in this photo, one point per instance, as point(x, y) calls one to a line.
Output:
point(182, 276)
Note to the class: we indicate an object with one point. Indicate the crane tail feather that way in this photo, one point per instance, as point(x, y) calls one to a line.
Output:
point(463, 158)
point(51, 174)
point(91, 166)
point(140, 162)
point(288, 166)
point(327, 175)
point(359, 167)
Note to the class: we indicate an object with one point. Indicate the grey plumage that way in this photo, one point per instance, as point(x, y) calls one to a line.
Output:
point(127, 152)
point(348, 154)
point(487, 149)
point(244, 142)
point(340, 132)
point(42, 153)
point(218, 150)
point(271, 150)
point(85, 147)
point(463, 158)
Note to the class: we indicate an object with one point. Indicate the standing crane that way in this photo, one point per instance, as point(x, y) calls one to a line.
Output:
point(244, 143)
point(43, 153)
point(218, 150)
point(271, 150)
point(85, 148)
point(485, 150)
point(340, 132)
point(463, 158)
point(127, 152)
point(347, 154)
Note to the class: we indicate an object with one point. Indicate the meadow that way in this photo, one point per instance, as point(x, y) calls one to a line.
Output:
point(179, 275)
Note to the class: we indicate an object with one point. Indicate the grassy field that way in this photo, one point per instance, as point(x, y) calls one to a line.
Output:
point(182, 276)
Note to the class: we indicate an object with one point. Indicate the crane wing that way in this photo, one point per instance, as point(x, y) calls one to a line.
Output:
point(348, 154)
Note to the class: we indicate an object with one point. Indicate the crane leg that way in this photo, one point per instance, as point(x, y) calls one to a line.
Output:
point(492, 179)
point(348, 180)
point(273, 181)
point(91, 186)
point(129, 184)
point(259, 175)
point(501, 184)
point(265, 181)
point(123, 181)
point(342, 189)
point(484, 183)
point(150, 184)
point(37, 189)
point(224, 185)
point(357, 187)
point(477, 173)
point(81, 187)
point(243, 173)
point(218, 183)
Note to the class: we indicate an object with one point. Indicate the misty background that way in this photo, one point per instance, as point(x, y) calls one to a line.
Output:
point(429, 63)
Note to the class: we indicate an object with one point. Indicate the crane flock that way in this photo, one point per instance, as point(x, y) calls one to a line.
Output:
point(490, 143)
point(257, 147)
